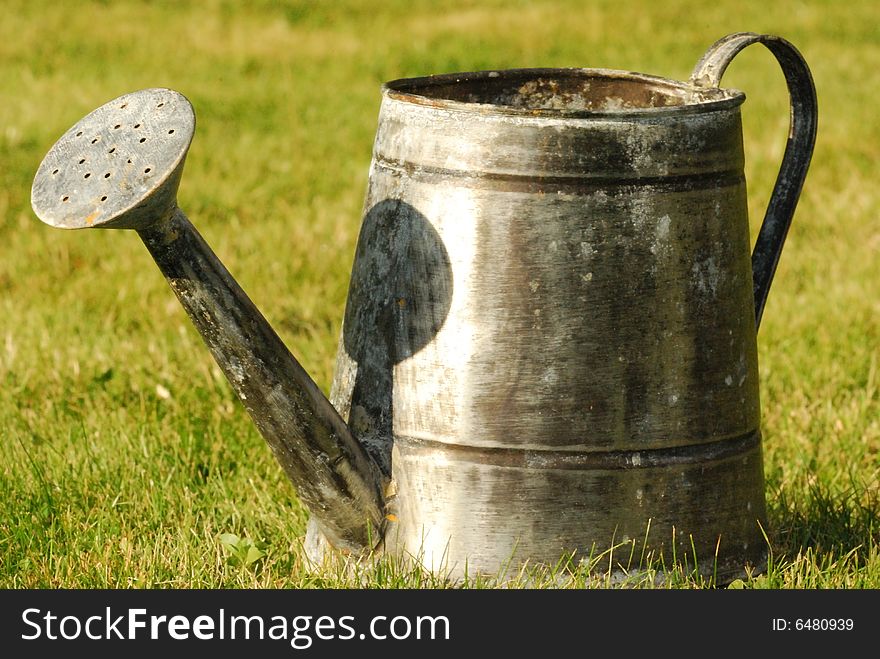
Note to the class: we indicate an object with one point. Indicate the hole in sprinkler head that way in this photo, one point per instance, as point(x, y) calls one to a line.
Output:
point(161, 104)
point(142, 140)
point(65, 198)
point(123, 106)
point(82, 160)
point(117, 126)
point(129, 161)
point(95, 140)
point(137, 125)
point(112, 150)
point(104, 198)
point(54, 171)
point(170, 132)
point(79, 134)
point(87, 174)
point(107, 175)
point(147, 170)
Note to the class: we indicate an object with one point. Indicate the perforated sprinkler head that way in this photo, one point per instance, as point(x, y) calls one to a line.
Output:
point(118, 167)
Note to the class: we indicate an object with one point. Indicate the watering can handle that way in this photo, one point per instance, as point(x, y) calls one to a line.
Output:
point(798, 150)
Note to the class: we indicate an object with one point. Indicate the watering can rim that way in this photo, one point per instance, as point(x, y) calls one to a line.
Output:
point(695, 99)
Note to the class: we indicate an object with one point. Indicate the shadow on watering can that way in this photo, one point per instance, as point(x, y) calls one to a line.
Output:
point(400, 295)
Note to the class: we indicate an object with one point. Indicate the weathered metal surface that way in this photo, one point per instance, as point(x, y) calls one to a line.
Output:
point(487, 510)
point(798, 148)
point(551, 325)
point(120, 167)
point(549, 344)
point(334, 477)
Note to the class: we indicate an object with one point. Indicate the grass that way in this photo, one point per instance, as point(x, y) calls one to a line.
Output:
point(125, 458)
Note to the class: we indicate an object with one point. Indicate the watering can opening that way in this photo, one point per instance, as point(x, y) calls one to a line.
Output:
point(562, 92)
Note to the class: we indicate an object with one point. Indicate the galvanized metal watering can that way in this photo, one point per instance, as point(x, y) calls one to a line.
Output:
point(549, 344)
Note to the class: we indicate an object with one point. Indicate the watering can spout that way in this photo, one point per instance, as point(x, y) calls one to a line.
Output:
point(111, 170)
point(333, 475)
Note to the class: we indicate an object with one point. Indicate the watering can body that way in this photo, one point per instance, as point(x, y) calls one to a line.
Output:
point(549, 344)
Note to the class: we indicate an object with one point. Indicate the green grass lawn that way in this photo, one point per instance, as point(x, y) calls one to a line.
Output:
point(126, 460)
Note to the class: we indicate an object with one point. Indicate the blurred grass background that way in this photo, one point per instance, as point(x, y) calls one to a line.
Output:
point(126, 460)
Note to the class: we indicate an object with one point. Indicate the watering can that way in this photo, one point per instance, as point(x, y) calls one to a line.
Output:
point(549, 346)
